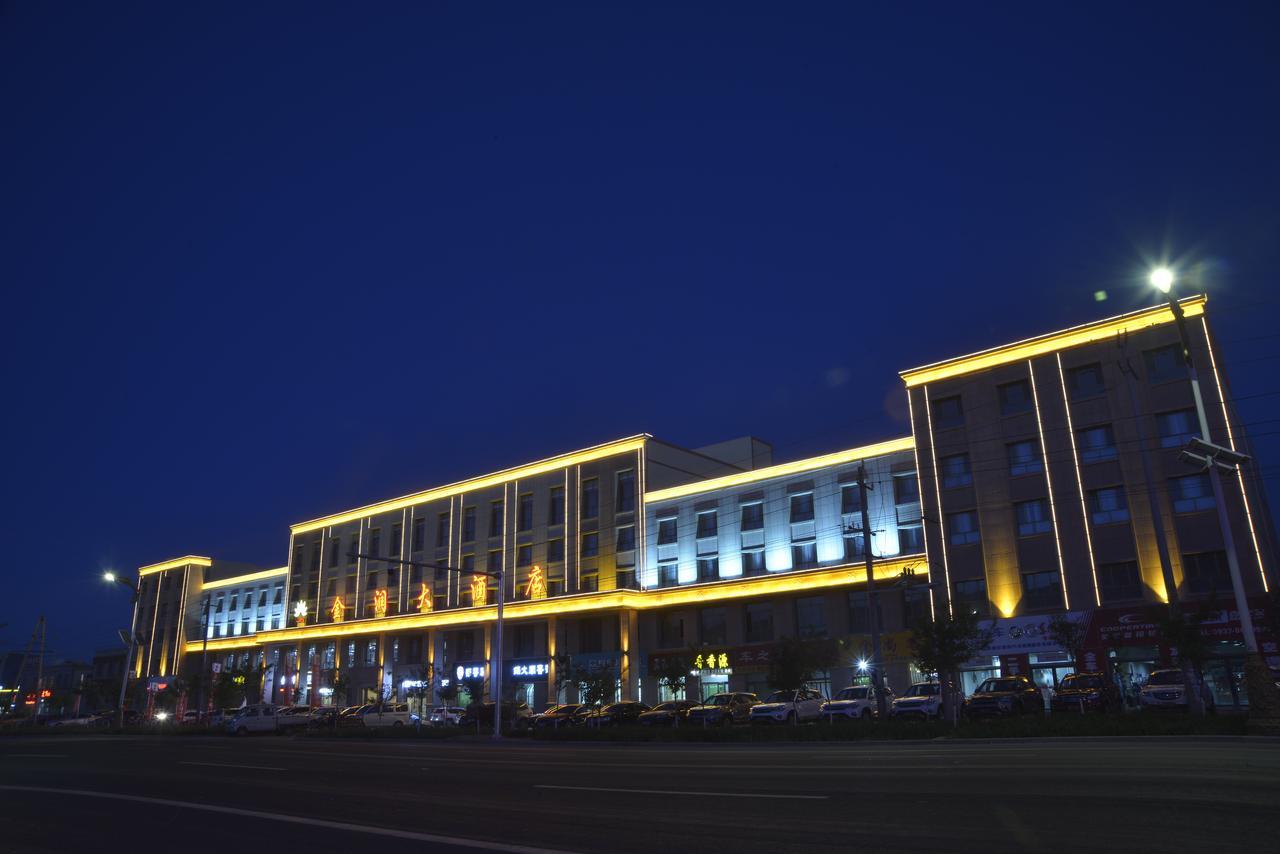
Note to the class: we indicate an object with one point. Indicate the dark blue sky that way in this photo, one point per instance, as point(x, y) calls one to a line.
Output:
point(264, 263)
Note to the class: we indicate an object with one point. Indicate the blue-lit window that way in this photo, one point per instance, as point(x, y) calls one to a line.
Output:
point(1015, 397)
point(1191, 493)
point(1165, 363)
point(906, 488)
point(947, 412)
point(1041, 590)
point(1096, 444)
point(955, 471)
point(590, 499)
point(626, 538)
point(524, 556)
point(802, 507)
point(626, 492)
point(1086, 381)
point(804, 555)
point(753, 516)
point(753, 561)
point(667, 531)
point(668, 573)
point(1024, 458)
point(910, 538)
point(555, 550)
point(1108, 506)
point(708, 568)
point(1033, 518)
point(590, 544)
point(963, 528)
point(850, 499)
point(1176, 429)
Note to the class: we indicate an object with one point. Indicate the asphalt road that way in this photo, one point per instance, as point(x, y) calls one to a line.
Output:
point(196, 794)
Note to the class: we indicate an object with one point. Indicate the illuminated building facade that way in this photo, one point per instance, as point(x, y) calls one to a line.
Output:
point(1019, 494)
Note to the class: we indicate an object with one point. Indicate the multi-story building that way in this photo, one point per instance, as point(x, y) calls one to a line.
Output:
point(1020, 493)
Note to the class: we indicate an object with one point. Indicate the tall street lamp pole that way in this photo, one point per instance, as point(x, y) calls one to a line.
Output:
point(135, 590)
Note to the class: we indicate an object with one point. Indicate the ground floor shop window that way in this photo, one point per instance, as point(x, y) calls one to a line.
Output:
point(524, 693)
point(712, 684)
point(666, 695)
point(971, 678)
point(1131, 666)
point(821, 682)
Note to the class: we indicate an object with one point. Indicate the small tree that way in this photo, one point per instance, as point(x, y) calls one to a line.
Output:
point(448, 694)
point(942, 645)
point(595, 683)
point(1181, 630)
point(794, 663)
point(1068, 634)
point(672, 672)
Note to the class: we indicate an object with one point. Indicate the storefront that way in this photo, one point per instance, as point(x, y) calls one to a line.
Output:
point(527, 681)
point(1021, 646)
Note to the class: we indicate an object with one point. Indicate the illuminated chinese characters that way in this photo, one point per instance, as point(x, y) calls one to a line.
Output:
point(300, 613)
point(380, 603)
point(424, 601)
point(537, 586)
point(338, 610)
point(479, 590)
point(711, 661)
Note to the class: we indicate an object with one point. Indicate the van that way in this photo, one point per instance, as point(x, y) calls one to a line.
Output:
point(259, 717)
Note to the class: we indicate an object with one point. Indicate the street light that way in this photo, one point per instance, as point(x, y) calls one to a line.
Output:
point(135, 590)
point(1161, 279)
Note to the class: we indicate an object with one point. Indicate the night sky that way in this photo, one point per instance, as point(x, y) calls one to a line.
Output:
point(260, 264)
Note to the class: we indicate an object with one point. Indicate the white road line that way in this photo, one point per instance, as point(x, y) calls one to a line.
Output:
point(670, 792)
point(227, 765)
point(295, 819)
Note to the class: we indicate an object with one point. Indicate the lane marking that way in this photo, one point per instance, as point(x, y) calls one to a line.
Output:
point(228, 765)
point(670, 792)
point(296, 819)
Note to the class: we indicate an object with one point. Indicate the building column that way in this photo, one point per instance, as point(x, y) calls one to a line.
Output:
point(629, 644)
point(488, 661)
point(385, 668)
point(553, 695)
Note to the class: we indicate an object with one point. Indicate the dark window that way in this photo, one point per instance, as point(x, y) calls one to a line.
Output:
point(625, 501)
point(315, 556)
point(1085, 381)
point(524, 556)
point(855, 545)
point(466, 646)
point(963, 528)
point(1191, 493)
point(670, 631)
point(495, 518)
point(850, 498)
point(811, 617)
point(972, 596)
point(802, 507)
point(555, 551)
point(397, 534)
point(706, 524)
point(1206, 572)
point(1041, 590)
point(555, 512)
point(668, 573)
point(1015, 397)
point(906, 488)
point(524, 513)
point(858, 613)
point(297, 557)
point(590, 544)
point(915, 606)
point(1096, 444)
point(524, 641)
point(955, 471)
point(947, 412)
point(375, 541)
point(910, 538)
point(753, 516)
point(804, 555)
point(667, 531)
point(753, 562)
point(590, 499)
point(626, 538)
point(1024, 458)
point(712, 628)
point(1033, 517)
point(442, 530)
point(758, 622)
point(468, 524)
point(1108, 506)
point(708, 568)
point(1176, 429)
point(335, 551)
point(419, 534)
point(1119, 581)
point(1165, 363)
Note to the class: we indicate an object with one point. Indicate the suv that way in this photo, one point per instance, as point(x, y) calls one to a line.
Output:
point(856, 703)
point(293, 717)
point(1005, 695)
point(445, 716)
point(923, 700)
point(388, 714)
point(1085, 692)
point(615, 714)
point(569, 714)
point(788, 707)
point(723, 710)
point(259, 717)
point(1165, 690)
point(669, 713)
point(514, 716)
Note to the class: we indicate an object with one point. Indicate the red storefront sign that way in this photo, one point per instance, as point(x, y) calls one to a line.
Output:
point(1111, 628)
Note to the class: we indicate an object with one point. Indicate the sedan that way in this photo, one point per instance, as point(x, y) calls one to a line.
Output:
point(670, 713)
point(1007, 695)
point(570, 714)
point(723, 710)
point(616, 714)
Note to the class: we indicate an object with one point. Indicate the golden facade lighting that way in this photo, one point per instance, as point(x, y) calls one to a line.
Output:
point(924, 535)
point(176, 563)
point(1084, 510)
point(937, 489)
point(248, 578)
point(1048, 482)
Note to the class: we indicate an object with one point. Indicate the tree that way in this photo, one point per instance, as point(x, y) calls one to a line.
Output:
point(424, 677)
point(672, 672)
point(448, 694)
point(596, 683)
point(942, 645)
point(1068, 634)
point(1180, 629)
point(794, 663)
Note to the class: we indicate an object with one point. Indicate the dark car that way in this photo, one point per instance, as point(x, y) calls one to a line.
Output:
point(515, 716)
point(352, 716)
point(570, 714)
point(671, 713)
point(323, 716)
point(723, 710)
point(1086, 692)
point(1005, 695)
point(616, 714)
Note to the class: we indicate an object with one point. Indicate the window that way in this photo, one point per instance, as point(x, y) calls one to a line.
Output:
point(1176, 429)
point(850, 499)
point(523, 641)
point(555, 551)
point(670, 631)
point(590, 544)
point(811, 617)
point(468, 524)
point(915, 606)
point(375, 541)
point(590, 499)
point(712, 626)
point(906, 489)
point(371, 653)
point(855, 544)
point(758, 623)
point(804, 555)
point(555, 512)
point(1206, 572)
point(947, 412)
point(972, 596)
point(626, 538)
point(910, 538)
point(753, 561)
point(524, 513)
point(335, 550)
point(442, 530)
point(1015, 397)
point(858, 613)
point(397, 535)
point(802, 507)
point(707, 524)
point(1191, 493)
point(1041, 590)
point(1096, 444)
point(297, 557)
point(963, 528)
point(955, 471)
point(1033, 517)
point(753, 516)
point(1119, 581)
point(667, 531)
point(708, 568)
point(668, 573)
point(419, 534)
point(524, 556)
point(1085, 381)
point(625, 499)
point(495, 518)
point(1024, 458)
point(1108, 506)
point(1165, 363)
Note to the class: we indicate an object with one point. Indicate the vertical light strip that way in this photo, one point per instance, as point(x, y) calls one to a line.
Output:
point(1048, 482)
point(356, 612)
point(449, 560)
point(1231, 440)
point(155, 612)
point(565, 523)
point(937, 488)
point(288, 587)
point(641, 517)
point(1075, 456)
point(924, 535)
point(179, 635)
point(325, 536)
point(577, 527)
point(506, 526)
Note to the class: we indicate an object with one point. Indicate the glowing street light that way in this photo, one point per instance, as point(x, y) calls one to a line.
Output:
point(108, 576)
point(1161, 279)
point(862, 665)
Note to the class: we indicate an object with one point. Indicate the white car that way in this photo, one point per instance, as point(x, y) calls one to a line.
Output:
point(857, 703)
point(923, 700)
point(259, 717)
point(293, 717)
point(1165, 690)
point(78, 720)
point(392, 714)
point(445, 716)
point(788, 707)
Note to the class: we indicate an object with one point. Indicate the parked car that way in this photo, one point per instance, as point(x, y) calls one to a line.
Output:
point(1165, 690)
point(77, 720)
point(788, 707)
point(616, 714)
point(671, 713)
point(569, 714)
point(258, 717)
point(923, 700)
point(352, 716)
point(855, 703)
point(1086, 692)
point(515, 716)
point(388, 714)
point(293, 717)
point(191, 717)
point(1002, 696)
point(324, 716)
point(445, 715)
point(723, 710)
point(219, 717)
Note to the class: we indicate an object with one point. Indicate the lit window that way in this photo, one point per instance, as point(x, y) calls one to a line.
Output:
point(1041, 590)
point(955, 471)
point(1096, 444)
point(1015, 397)
point(1033, 518)
point(963, 528)
point(802, 507)
point(1108, 506)
point(1024, 458)
point(753, 516)
point(667, 531)
point(1085, 381)
point(1191, 493)
point(1176, 429)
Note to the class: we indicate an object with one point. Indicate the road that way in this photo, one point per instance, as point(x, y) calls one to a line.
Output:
point(196, 794)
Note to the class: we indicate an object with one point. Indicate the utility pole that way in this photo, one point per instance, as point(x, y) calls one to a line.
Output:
point(873, 616)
